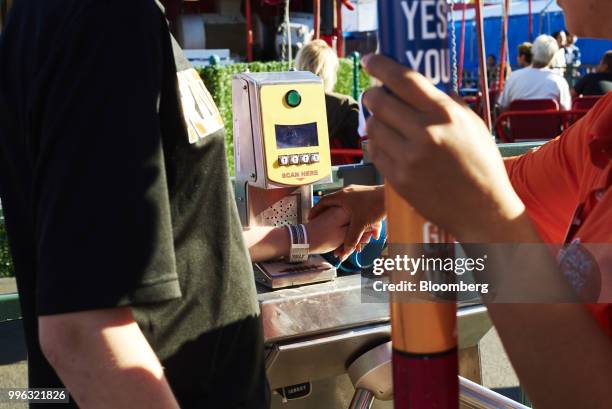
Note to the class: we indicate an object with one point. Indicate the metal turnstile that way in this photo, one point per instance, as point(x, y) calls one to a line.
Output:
point(315, 332)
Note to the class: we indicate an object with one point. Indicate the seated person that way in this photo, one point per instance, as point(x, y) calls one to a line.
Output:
point(342, 110)
point(597, 83)
point(538, 81)
point(525, 57)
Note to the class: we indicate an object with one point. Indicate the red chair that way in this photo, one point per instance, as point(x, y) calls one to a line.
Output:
point(584, 103)
point(535, 126)
point(343, 156)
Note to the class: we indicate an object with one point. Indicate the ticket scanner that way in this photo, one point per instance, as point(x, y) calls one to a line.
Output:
point(281, 147)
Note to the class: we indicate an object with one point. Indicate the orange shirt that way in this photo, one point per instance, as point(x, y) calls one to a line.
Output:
point(565, 186)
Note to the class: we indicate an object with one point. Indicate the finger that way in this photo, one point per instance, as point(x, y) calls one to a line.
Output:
point(377, 234)
point(383, 162)
point(376, 230)
point(407, 84)
point(465, 106)
point(386, 141)
point(393, 112)
point(459, 100)
point(353, 234)
point(365, 239)
point(324, 203)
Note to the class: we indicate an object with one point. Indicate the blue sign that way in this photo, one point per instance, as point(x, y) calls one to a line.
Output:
point(415, 34)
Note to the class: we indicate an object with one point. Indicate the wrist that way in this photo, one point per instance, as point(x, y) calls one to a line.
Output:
point(299, 243)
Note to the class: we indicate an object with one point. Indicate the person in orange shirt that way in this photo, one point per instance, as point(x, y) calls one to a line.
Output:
point(439, 156)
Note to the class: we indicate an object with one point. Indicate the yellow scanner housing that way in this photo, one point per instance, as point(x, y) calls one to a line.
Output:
point(280, 129)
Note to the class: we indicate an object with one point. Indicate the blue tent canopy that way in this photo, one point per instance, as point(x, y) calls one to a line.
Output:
point(547, 18)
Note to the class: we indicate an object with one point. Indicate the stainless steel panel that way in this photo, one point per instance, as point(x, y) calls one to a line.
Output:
point(321, 357)
point(281, 77)
point(278, 207)
point(244, 151)
point(331, 393)
point(317, 308)
point(337, 305)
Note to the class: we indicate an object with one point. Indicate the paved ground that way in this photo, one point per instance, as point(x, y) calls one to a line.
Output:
point(497, 373)
point(496, 369)
point(13, 367)
point(7, 285)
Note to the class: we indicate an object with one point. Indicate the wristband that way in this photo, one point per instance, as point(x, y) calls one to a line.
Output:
point(298, 251)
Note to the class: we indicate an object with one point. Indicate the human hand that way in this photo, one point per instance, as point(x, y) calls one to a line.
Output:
point(365, 207)
point(438, 155)
point(326, 231)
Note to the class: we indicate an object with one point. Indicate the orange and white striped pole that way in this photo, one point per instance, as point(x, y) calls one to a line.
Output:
point(423, 331)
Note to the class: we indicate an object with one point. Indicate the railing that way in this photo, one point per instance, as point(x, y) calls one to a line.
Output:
point(344, 153)
point(475, 396)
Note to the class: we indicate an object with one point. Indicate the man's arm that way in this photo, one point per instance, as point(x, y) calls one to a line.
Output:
point(104, 360)
point(101, 194)
point(440, 157)
point(562, 357)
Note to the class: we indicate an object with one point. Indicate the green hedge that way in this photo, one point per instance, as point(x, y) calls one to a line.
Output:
point(218, 80)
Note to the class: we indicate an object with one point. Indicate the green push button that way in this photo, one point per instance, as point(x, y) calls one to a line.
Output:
point(293, 98)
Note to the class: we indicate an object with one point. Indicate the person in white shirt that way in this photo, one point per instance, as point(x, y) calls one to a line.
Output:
point(559, 61)
point(538, 81)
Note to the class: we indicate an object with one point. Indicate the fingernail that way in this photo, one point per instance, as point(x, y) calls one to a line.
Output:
point(366, 59)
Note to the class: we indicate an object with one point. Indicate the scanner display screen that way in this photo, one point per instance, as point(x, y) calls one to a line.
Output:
point(296, 136)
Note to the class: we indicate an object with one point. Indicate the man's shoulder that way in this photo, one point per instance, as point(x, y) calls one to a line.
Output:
point(546, 75)
point(341, 98)
point(599, 76)
point(523, 75)
point(336, 101)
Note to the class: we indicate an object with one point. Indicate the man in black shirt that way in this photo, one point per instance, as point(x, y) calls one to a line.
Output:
point(598, 83)
point(135, 286)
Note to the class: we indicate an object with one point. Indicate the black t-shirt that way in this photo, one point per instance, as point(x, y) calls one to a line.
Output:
point(598, 83)
point(343, 119)
point(108, 203)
